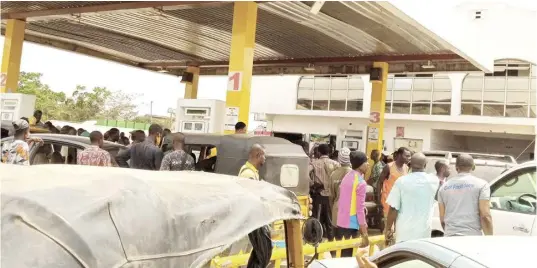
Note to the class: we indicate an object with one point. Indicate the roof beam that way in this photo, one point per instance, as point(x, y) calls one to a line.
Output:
point(349, 69)
point(288, 62)
point(106, 7)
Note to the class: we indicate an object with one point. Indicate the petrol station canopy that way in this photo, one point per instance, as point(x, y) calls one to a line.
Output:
point(343, 38)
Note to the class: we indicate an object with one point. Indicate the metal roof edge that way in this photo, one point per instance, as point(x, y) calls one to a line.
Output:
point(484, 66)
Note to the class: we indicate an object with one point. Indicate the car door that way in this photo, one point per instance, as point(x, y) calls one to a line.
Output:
point(513, 202)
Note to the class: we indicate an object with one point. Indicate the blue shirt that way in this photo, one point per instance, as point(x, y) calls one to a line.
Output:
point(413, 197)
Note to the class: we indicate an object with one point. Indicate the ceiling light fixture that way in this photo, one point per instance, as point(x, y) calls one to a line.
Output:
point(310, 68)
point(429, 65)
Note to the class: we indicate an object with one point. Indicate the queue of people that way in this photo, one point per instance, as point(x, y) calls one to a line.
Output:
point(405, 192)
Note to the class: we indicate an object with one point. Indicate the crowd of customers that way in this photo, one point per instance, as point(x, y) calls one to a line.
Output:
point(403, 190)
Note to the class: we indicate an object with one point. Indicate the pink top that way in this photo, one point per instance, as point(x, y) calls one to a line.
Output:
point(346, 217)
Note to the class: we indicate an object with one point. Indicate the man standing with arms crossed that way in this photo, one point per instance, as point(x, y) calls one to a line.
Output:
point(464, 202)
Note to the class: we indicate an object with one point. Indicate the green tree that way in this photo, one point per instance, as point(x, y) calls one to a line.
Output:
point(120, 107)
point(82, 105)
point(49, 102)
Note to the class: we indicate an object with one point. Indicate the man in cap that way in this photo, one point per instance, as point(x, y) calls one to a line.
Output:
point(335, 180)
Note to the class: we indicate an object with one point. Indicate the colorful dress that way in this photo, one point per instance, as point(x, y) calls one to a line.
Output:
point(16, 152)
point(388, 184)
point(352, 192)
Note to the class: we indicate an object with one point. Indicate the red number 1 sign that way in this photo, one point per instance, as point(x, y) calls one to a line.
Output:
point(234, 81)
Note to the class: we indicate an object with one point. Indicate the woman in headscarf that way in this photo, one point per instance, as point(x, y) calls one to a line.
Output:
point(17, 152)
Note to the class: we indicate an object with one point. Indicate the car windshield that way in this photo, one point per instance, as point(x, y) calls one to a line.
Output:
point(518, 185)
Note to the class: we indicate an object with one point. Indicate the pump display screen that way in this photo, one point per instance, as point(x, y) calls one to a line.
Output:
point(202, 112)
point(9, 105)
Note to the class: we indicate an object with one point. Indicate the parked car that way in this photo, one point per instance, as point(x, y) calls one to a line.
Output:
point(67, 146)
point(449, 252)
point(513, 202)
point(487, 166)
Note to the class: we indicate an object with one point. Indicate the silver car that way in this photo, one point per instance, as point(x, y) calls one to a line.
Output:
point(487, 166)
point(450, 252)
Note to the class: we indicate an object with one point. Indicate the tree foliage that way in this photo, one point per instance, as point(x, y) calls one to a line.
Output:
point(82, 105)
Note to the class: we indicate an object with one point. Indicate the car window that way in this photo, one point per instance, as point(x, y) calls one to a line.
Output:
point(53, 153)
point(516, 192)
point(43, 155)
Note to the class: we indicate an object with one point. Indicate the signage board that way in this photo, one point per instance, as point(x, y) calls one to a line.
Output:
point(232, 118)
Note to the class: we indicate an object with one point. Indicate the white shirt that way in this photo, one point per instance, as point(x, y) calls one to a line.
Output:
point(413, 197)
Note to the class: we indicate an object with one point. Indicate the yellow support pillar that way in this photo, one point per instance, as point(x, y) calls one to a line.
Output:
point(375, 128)
point(11, 60)
point(191, 89)
point(241, 61)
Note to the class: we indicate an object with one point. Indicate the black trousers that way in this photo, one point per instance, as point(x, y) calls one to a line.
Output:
point(325, 217)
point(347, 234)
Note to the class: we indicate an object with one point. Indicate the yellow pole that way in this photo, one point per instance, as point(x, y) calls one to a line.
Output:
point(375, 128)
point(241, 61)
point(191, 89)
point(11, 60)
point(294, 243)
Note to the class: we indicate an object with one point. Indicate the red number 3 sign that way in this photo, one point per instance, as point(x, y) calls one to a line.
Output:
point(374, 117)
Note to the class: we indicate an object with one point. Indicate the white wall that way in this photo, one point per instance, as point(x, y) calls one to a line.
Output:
point(413, 129)
point(445, 140)
point(504, 31)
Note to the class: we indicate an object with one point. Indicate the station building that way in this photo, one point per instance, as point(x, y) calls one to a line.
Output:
point(464, 111)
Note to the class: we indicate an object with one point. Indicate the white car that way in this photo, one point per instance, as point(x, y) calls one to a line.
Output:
point(513, 202)
point(449, 252)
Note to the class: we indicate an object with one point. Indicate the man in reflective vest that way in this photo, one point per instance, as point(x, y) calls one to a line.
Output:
point(256, 159)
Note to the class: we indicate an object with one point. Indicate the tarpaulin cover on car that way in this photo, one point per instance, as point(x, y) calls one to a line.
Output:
point(79, 216)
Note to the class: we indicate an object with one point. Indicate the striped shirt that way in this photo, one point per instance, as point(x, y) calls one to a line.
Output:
point(323, 168)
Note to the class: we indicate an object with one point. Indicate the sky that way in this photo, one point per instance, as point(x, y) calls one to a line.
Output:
point(63, 70)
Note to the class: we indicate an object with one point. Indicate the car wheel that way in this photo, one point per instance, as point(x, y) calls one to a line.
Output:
point(437, 233)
